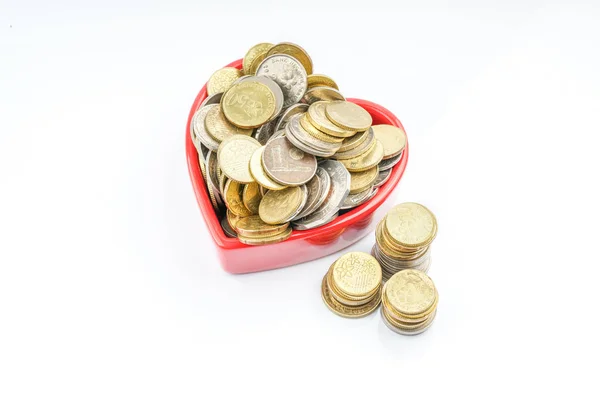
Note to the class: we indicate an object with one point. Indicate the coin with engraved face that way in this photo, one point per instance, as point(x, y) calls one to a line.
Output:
point(288, 73)
point(286, 164)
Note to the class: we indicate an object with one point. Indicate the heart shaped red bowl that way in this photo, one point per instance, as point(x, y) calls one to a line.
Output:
point(302, 246)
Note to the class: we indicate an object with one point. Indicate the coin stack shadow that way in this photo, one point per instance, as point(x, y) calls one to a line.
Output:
point(352, 286)
point(398, 250)
point(409, 302)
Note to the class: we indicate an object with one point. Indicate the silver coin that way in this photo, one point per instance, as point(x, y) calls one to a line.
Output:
point(302, 204)
point(212, 173)
point(322, 93)
point(296, 129)
point(279, 95)
point(386, 165)
point(355, 200)
point(408, 332)
point(212, 99)
point(288, 73)
point(242, 79)
point(358, 150)
point(339, 189)
point(265, 131)
point(204, 151)
point(298, 108)
point(277, 134)
point(286, 164)
point(313, 188)
point(382, 177)
point(318, 196)
point(200, 129)
point(302, 146)
point(373, 193)
point(229, 231)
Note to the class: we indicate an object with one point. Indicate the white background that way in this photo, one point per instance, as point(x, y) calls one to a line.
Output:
point(109, 285)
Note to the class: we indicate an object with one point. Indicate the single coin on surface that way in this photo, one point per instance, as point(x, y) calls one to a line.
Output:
point(222, 80)
point(277, 206)
point(249, 104)
point(392, 138)
point(234, 156)
point(348, 115)
point(286, 164)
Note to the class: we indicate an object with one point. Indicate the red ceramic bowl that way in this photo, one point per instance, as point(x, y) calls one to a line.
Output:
point(302, 246)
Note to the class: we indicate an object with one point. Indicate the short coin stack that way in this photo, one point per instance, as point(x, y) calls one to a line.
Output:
point(259, 133)
point(403, 239)
point(352, 286)
point(409, 302)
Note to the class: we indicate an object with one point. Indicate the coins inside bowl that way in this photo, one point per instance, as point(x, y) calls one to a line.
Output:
point(280, 144)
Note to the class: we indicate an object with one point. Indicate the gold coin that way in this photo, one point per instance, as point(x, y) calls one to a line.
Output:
point(407, 318)
point(202, 167)
point(219, 128)
point(408, 325)
point(248, 104)
point(234, 157)
point(354, 141)
point(258, 241)
point(316, 115)
point(321, 80)
point(222, 181)
point(346, 311)
point(251, 196)
point(232, 219)
point(365, 161)
point(295, 51)
point(222, 80)
point(410, 292)
point(348, 116)
point(233, 199)
point(258, 52)
point(254, 227)
point(356, 273)
point(411, 225)
point(345, 299)
point(392, 137)
point(277, 206)
point(314, 132)
point(259, 174)
point(212, 196)
point(360, 181)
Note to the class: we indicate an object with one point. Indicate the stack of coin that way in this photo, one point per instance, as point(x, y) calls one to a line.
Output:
point(403, 239)
point(259, 133)
point(409, 302)
point(352, 286)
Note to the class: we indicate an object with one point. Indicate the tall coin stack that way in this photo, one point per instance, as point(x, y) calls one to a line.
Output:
point(352, 286)
point(403, 239)
point(409, 302)
point(258, 135)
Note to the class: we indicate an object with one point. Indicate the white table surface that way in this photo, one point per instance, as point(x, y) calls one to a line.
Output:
point(109, 284)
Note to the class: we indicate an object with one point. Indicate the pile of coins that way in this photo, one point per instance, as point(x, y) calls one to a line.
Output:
point(352, 286)
point(409, 302)
point(280, 149)
point(403, 239)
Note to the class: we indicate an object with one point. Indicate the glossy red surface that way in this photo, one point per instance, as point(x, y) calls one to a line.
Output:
point(302, 246)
